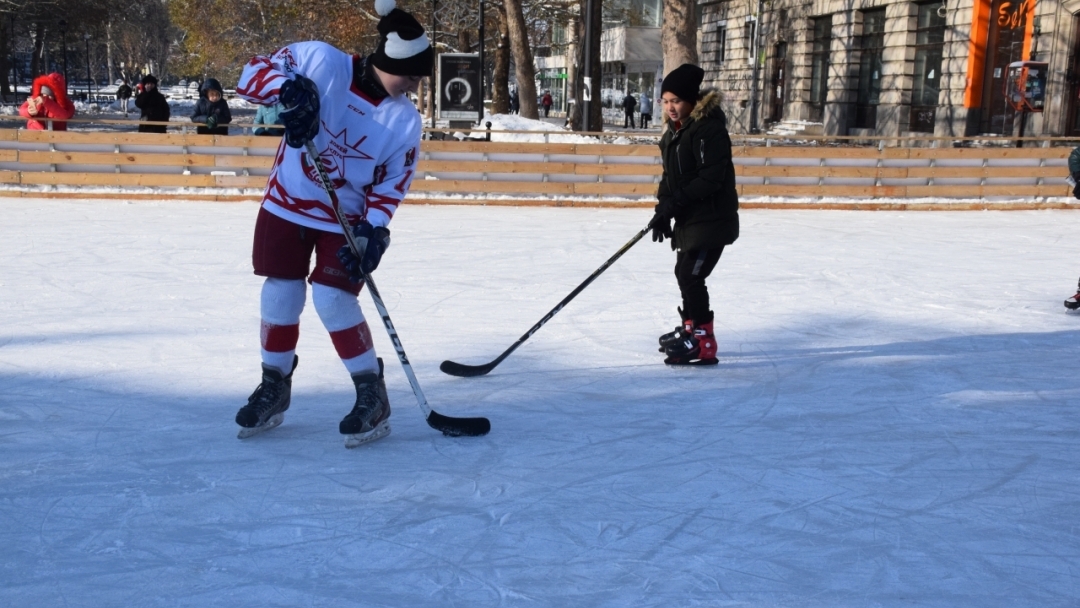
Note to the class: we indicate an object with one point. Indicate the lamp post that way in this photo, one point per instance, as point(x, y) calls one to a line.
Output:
point(480, 118)
point(63, 42)
point(435, 54)
point(14, 56)
point(89, 79)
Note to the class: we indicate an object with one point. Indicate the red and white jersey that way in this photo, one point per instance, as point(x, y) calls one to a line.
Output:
point(368, 147)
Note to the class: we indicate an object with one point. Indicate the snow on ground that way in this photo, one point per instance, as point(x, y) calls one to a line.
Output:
point(893, 421)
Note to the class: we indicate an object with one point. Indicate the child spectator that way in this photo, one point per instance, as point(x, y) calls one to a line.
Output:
point(212, 111)
point(48, 99)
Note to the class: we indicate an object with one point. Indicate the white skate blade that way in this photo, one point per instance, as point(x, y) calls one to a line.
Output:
point(270, 423)
point(359, 439)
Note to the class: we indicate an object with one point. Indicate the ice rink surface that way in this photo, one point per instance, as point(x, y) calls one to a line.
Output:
point(894, 420)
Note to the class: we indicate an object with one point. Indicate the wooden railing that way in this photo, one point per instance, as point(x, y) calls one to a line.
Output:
point(186, 165)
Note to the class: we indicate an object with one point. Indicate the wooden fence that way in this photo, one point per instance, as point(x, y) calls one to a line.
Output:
point(186, 165)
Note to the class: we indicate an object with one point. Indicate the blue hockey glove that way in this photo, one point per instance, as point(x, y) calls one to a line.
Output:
point(372, 242)
point(301, 115)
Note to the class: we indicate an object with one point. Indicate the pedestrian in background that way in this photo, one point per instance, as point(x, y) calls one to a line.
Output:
point(154, 106)
point(646, 110)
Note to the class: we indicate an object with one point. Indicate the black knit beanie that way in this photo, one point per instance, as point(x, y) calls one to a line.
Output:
point(149, 79)
point(404, 49)
point(684, 81)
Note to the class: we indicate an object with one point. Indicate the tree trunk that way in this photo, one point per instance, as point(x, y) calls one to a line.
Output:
point(524, 69)
point(464, 41)
point(37, 55)
point(500, 77)
point(5, 63)
point(678, 34)
point(596, 106)
point(573, 74)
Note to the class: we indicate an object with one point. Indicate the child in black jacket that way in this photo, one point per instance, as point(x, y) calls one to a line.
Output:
point(212, 111)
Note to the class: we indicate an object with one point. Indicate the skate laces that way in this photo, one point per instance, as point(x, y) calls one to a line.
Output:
point(367, 399)
point(266, 395)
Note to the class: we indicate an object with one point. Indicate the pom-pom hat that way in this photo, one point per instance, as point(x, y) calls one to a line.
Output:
point(404, 48)
point(684, 81)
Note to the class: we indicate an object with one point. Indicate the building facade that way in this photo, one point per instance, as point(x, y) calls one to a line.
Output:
point(891, 67)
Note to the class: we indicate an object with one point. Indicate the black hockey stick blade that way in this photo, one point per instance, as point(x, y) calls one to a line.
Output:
point(465, 371)
point(458, 427)
point(470, 371)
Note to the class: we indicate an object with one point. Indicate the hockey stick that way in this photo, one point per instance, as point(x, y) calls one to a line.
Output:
point(468, 371)
point(450, 426)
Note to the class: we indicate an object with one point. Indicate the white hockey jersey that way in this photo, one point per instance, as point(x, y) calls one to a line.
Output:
point(368, 147)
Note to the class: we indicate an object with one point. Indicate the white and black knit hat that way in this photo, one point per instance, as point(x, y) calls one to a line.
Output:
point(404, 48)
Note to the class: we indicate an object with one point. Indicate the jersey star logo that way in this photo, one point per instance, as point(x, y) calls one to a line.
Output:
point(333, 156)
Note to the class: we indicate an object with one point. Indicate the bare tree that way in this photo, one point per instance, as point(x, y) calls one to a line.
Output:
point(524, 69)
point(678, 33)
point(500, 73)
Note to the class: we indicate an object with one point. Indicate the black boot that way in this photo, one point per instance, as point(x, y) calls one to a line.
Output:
point(370, 417)
point(266, 407)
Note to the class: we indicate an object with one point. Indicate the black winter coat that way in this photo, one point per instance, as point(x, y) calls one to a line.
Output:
point(219, 109)
point(155, 108)
point(699, 177)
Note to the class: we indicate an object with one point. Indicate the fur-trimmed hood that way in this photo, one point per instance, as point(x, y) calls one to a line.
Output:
point(708, 106)
point(54, 81)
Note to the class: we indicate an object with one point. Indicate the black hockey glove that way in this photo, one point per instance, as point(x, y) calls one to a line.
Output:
point(661, 220)
point(301, 115)
point(372, 242)
point(211, 122)
point(1076, 188)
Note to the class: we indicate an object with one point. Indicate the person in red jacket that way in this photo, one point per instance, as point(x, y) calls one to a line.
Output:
point(48, 99)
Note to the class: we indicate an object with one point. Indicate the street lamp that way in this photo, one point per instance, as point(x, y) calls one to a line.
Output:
point(63, 38)
point(14, 56)
point(89, 80)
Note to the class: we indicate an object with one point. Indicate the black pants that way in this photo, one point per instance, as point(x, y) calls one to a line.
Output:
point(629, 119)
point(691, 269)
point(645, 118)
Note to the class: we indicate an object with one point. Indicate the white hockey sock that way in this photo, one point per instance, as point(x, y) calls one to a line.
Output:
point(342, 317)
point(281, 304)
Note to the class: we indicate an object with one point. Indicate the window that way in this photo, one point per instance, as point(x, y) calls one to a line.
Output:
point(821, 37)
point(872, 47)
point(751, 30)
point(929, 44)
point(721, 42)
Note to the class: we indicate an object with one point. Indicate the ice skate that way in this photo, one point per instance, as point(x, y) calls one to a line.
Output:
point(679, 334)
point(266, 407)
point(696, 348)
point(369, 419)
point(1074, 302)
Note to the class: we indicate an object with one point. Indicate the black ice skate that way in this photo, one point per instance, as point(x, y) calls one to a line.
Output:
point(370, 417)
point(266, 407)
point(678, 335)
point(1074, 302)
point(696, 348)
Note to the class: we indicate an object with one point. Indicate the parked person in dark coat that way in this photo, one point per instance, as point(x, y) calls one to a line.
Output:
point(1073, 303)
point(515, 102)
point(628, 104)
point(697, 190)
point(212, 111)
point(154, 106)
point(123, 94)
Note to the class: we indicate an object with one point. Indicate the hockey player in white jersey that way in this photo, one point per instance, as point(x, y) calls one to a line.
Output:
point(367, 132)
